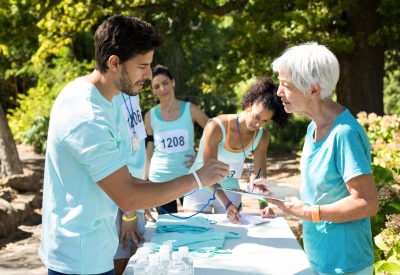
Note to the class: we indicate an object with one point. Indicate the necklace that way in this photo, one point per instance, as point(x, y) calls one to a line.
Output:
point(166, 116)
point(244, 154)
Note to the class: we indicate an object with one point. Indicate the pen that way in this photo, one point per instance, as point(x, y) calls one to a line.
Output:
point(258, 174)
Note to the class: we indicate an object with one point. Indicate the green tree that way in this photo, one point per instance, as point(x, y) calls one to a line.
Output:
point(210, 45)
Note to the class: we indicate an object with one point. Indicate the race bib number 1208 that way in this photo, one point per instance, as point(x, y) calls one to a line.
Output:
point(172, 141)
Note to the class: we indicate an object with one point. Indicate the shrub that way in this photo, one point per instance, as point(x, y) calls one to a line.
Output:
point(384, 135)
point(29, 121)
point(291, 138)
point(388, 244)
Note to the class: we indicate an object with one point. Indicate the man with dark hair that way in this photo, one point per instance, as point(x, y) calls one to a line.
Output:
point(86, 175)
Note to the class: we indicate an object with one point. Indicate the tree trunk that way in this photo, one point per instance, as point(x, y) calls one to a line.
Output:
point(360, 86)
point(9, 159)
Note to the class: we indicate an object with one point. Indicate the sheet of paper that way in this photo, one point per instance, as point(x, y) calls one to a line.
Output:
point(247, 220)
point(254, 195)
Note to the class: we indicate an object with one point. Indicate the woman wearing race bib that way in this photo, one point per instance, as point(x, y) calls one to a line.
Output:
point(230, 138)
point(169, 126)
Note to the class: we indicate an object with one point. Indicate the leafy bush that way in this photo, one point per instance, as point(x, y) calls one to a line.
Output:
point(289, 139)
point(392, 92)
point(29, 121)
point(37, 134)
point(388, 244)
point(384, 135)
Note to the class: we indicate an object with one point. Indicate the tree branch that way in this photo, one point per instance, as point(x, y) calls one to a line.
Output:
point(47, 9)
point(220, 10)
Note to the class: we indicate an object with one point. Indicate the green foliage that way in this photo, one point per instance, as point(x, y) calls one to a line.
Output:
point(210, 45)
point(384, 135)
point(388, 247)
point(28, 122)
point(289, 139)
point(37, 134)
point(392, 92)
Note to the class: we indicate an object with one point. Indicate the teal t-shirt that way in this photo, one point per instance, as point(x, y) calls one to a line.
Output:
point(173, 140)
point(235, 159)
point(326, 166)
point(83, 147)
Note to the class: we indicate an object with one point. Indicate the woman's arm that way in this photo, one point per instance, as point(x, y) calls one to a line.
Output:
point(198, 115)
point(361, 203)
point(212, 137)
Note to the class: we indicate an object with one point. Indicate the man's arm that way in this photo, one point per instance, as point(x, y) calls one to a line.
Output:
point(129, 196)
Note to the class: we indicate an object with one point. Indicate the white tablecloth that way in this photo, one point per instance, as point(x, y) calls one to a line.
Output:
point(269, 248)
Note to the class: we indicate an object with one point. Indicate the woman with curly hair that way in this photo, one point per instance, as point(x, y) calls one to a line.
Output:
point(230, 138)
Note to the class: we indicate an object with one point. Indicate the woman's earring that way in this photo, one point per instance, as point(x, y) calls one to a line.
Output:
point(173, 87)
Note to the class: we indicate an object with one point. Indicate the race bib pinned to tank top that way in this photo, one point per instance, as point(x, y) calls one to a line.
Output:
point(134, 122)
point(174, 141)
point(235, 167)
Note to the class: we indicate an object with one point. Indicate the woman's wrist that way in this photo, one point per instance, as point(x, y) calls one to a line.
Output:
point(315, 213)
point(227, 204)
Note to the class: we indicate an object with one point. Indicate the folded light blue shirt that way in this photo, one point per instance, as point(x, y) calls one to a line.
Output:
point(78, 218)
point(195, 233)
point(167, 223)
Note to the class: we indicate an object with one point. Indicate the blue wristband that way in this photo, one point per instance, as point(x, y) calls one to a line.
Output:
point(227, 205)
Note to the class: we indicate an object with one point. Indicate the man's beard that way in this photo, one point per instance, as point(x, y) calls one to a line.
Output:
point(126, 85)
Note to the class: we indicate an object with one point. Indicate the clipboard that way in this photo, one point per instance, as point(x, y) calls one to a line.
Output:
point(251, 194)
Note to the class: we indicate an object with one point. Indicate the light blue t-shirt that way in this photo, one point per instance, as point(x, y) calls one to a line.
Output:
point(235, 158)
point(172, 141)
point(78, 218)
point(127, 107)
point(326, 166)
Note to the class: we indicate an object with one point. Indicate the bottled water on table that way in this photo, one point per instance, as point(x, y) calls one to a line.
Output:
point(165, 259)
point(154, 267)
point(187, 259)
point(139, 268)
point(177, 266)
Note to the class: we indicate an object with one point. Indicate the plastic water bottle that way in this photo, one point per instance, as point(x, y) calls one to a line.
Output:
point(165, 259)
point(187, 259)
point(139, 268)
point(129, 269)
point(169, 243)
point(177, 266)
point(153, 268)
point(149, 245)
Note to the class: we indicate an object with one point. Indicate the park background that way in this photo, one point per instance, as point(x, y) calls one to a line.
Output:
point(215, 49)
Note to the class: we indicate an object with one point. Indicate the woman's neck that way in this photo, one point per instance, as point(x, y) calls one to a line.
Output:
point(242, 125)
point(168, 104)
point(170, 110)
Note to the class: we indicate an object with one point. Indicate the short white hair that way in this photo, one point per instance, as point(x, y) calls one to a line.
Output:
point(309, 64)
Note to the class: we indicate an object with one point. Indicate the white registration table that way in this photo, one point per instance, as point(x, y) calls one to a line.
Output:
point(269, 248)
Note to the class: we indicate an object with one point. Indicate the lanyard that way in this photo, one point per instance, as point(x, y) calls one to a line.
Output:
point(131, 112)
point(252, 147)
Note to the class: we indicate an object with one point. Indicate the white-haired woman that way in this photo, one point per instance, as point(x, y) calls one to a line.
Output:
point(338, 193)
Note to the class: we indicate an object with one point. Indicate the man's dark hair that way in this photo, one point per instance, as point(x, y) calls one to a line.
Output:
point(124, 36)
point(265, 92)
point(163, 70)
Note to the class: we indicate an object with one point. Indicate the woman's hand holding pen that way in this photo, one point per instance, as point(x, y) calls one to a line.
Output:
point(260, 186)
point(233, 214)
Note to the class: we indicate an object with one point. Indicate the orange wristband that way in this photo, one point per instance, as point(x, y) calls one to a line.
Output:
point(315, 213)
